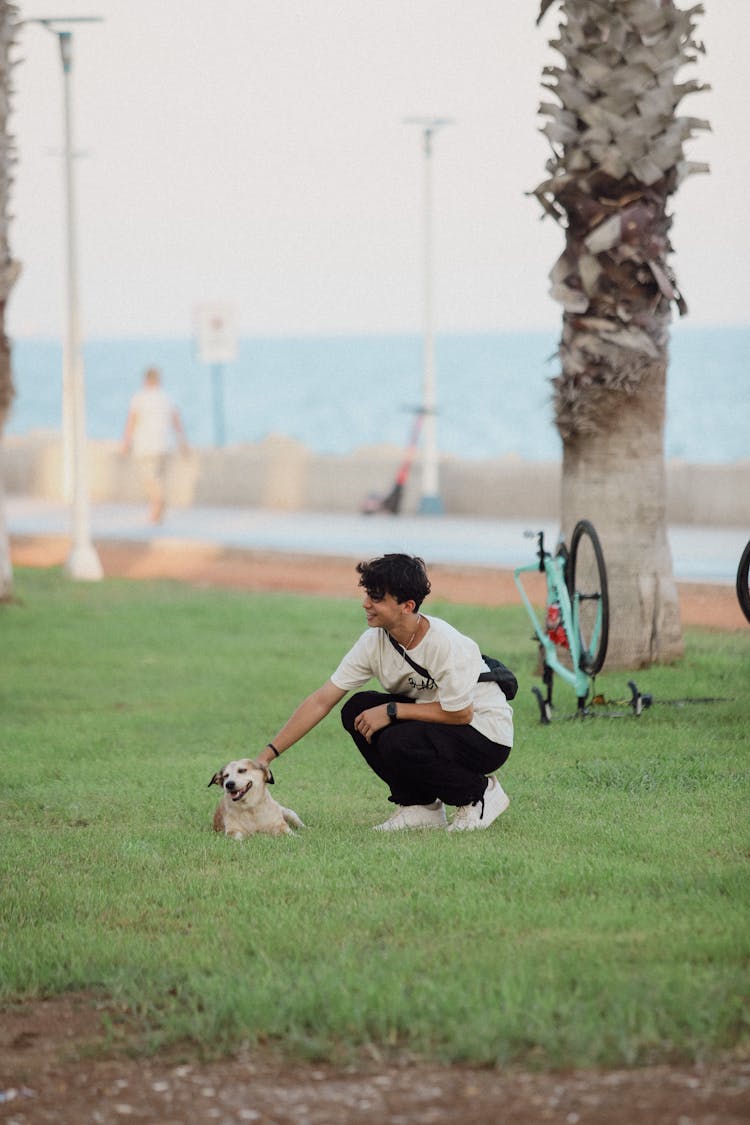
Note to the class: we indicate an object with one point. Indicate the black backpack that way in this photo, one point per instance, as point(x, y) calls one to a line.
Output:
point(501, 675)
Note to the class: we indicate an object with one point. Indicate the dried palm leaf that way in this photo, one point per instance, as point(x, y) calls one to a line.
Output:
point(617, 156)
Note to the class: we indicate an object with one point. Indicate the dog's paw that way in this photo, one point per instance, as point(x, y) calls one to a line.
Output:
point(292, 819)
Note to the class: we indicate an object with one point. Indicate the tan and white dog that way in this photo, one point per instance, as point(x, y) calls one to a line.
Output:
point(247, 807)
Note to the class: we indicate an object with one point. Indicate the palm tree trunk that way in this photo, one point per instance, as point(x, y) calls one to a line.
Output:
point(617, 147)
point(616, 478)
point(8, 268)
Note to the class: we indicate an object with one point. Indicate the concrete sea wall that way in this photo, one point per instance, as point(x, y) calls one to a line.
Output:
point(279, 472)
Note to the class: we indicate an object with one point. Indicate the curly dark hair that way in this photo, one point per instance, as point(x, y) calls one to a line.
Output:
point(402, 576)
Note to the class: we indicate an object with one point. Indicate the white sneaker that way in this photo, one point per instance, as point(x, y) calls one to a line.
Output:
point(415, 816)
point(481, 814)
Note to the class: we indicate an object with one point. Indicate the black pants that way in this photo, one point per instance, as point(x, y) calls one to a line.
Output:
point(424, 761)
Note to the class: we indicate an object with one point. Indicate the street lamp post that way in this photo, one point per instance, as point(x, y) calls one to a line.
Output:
point(83, 561)
point(430, 502)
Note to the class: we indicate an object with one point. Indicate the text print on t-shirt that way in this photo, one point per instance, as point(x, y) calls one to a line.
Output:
point(425, 684)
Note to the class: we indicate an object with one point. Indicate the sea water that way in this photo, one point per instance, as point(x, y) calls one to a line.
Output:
point(338, 394)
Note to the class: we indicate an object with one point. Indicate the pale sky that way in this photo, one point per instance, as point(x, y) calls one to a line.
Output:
point(253, 152)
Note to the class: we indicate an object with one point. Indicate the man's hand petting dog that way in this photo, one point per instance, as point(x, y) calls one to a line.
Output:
point(246, 807)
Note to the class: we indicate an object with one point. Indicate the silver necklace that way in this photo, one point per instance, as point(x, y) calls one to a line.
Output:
point(410, 642)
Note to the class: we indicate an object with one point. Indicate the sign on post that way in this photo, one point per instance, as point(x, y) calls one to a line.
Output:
point(217, 343)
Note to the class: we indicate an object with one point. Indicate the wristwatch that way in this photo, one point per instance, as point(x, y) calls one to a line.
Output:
point(391, 710)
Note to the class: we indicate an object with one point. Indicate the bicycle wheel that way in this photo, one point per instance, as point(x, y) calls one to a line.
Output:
point(586, 580)
point(743, 582)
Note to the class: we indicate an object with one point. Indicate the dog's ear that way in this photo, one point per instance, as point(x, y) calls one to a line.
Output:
point(265, 770)
point(216, 779)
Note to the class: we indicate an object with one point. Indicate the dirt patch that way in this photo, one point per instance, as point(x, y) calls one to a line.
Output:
point(712, 607)
point(54, 1067)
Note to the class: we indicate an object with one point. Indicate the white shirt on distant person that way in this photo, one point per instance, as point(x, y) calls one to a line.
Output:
point(154, 413)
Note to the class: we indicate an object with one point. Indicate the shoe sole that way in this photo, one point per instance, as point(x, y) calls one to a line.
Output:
point(408, 827)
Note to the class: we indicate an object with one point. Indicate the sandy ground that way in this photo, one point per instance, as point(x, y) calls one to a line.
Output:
point(714, 607)
point(56, 1065)
point(54, 1069)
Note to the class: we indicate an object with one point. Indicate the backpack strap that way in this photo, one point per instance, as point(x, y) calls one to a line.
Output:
point(498, 672)
point(399, 648)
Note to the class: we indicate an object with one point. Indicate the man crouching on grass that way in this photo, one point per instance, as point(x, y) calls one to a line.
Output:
point(434, 733)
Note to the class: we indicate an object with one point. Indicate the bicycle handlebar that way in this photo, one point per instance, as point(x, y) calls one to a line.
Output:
point(540, 551)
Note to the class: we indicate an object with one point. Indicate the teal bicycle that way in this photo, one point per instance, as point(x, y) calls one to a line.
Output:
point(573, 636)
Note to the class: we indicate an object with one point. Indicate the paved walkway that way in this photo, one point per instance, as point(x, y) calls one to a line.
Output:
point(700, 554)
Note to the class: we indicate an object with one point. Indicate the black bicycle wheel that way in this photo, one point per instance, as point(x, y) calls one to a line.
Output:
point(743, 582)
point(587, 585)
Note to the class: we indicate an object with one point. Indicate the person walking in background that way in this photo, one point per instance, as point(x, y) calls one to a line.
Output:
point(152, 419)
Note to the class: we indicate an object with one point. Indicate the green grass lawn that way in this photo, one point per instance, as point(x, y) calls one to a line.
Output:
point(603, 919)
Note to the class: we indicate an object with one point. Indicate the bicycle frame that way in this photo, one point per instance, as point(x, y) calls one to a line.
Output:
point(553, 567)
point(568, 587)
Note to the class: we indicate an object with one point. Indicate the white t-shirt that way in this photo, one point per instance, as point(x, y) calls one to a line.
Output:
point(154, 410)
point(454, 663)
